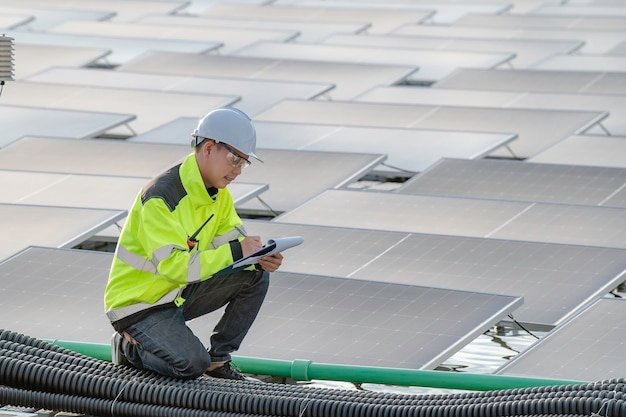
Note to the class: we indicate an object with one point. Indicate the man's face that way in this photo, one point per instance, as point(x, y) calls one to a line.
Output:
point(220, 164)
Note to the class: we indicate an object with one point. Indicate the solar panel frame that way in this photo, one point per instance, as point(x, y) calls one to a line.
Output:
point(90, 157)
point(42, 18)
point(36, 58)
point(75, 124)
point(527, 52)
point(125, 10)
point(70, 284)
point(120, 49)
point(307, 31)
point(556, 280)
point(596, 41)
point(255, 95)
point(381, 21)
point(408, 150)
point(432, 64)
point(472, 217)
point(91, 191)
point(350, 79)
point(544, 20)
point(345, 321)
point(589, 345)
point(231, 39)
point(146, 105)
point(588, 62)
point(588, 10)
point(619, 49)
point(518, 7)
point(295, 176)
point(443, 12)
point(614, 105)
point(585, 150)
point(13, 20)
point(520, 181)
point(31, 225)
point(528, 124)
point(535, 80)
point(69, 190)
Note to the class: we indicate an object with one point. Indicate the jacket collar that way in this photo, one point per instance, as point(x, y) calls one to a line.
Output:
point(192, 181)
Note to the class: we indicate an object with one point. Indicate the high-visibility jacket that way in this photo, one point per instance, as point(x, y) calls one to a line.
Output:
point(157, 254)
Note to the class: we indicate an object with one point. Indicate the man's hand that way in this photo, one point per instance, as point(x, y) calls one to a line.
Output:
point(271, 263)
point(250, 244)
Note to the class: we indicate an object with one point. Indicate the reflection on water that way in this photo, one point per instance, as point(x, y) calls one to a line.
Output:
point(489, 351)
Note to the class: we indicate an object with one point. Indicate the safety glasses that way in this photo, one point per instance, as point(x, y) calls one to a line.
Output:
point(236, 161)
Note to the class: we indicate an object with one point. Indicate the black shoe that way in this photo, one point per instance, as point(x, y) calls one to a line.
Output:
point(226, 372)
point(117, 352)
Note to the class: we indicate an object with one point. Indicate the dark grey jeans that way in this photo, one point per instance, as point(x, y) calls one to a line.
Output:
point(164, 343)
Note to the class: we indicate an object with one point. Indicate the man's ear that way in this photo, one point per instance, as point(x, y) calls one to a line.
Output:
point(208, 147)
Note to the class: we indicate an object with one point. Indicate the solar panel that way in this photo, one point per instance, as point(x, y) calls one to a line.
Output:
point(443, 12)
point(539, 81)
point(407, 150)
point(36, 58)
point(528, 124)
point(231, 39)
point(90, 157)
point(590, 346)
point(614, 105)
point(594, 63)
point(45, 17)
point(526, 52)
point(307, 31)
point(69, 190)
point(125, 10)
point(350, 79)
point(605, 151)
point(334, 320)
point(31, 225)
point(516, 220)
point(381, 20)
point(433, 64)
point(169, 132)
point(59, 123)
point(619, 49)
point(591, 10)
point(548, 17)
point(300, 312)
point(556, 280)
point(147, 106)
point(596, 41)
point(462, 7)
point(11, 21)
point(293, 176)
point(296, 176)
point(121, 49)
point(256, 95)
point(524, 181)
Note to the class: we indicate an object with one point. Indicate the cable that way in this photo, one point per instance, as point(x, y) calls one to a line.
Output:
point(522, 327)
point(37, 373)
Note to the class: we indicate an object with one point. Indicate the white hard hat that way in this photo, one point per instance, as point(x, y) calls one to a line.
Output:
point(228, 125)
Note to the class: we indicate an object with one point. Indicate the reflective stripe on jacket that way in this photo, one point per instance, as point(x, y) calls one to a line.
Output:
point(153, 260)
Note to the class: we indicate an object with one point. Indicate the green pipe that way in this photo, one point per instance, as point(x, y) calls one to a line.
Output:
point(306, 370)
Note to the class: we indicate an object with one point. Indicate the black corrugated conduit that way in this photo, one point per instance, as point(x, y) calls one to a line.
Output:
point(35, 373)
